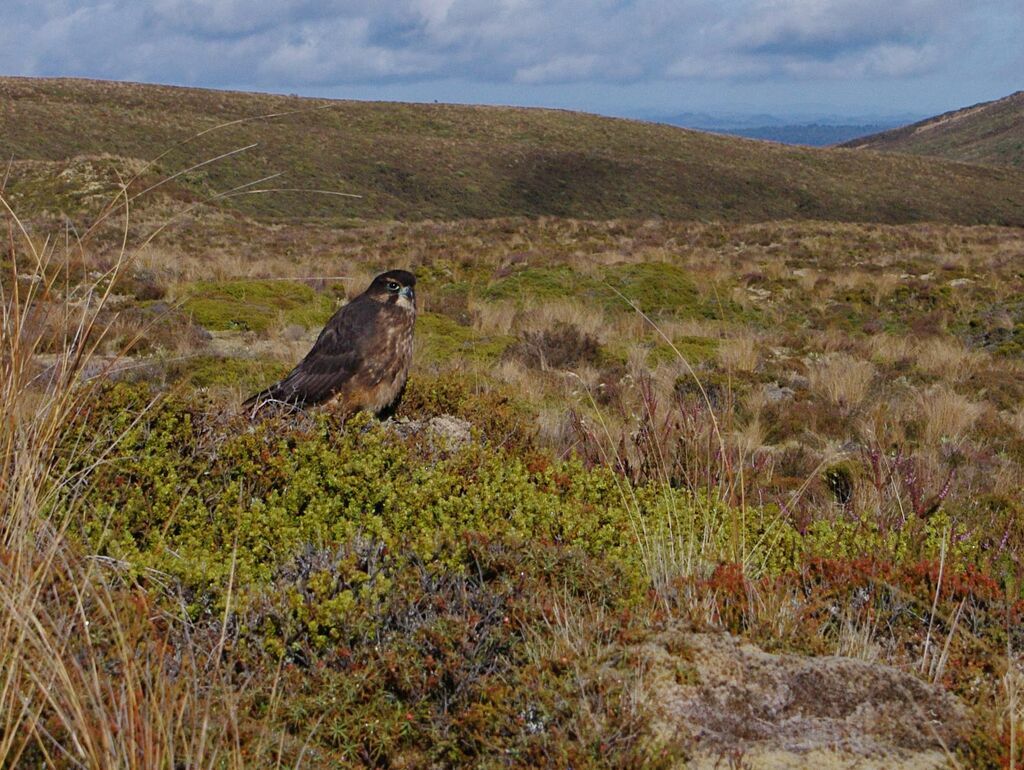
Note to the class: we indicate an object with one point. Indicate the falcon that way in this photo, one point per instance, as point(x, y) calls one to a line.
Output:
point(361, 359)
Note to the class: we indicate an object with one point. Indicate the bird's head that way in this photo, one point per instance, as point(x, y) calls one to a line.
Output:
point(397, 287)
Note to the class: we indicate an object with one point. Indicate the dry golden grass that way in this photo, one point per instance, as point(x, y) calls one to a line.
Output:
point(946, 416)
point(492, 317)
point(889, 349)
point(1016, 419)
point(946, 358)
point(546, 315)
point(857, 636)
point(807, 278)
point(1013, 699)
point(512, 371)
point(636, 360)
point(833, 340)
point(883, 286)
point(841, 379)
point(879, 287)
point(87, 678)
point(750, 436)
point(691, 327)
point(851, 280)
point(630, 328)
point(666, 374)
point(747, 299)
point(1007, 479)
point(741, 353)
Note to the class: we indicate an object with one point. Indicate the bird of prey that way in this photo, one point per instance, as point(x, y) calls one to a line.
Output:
point(361, 359)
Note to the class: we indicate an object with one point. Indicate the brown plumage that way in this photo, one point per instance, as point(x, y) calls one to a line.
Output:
point(361, 358)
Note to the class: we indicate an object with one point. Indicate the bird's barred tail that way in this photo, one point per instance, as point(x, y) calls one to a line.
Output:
point(267, 394)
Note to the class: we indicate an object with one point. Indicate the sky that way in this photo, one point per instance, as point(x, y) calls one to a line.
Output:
point(637, 58)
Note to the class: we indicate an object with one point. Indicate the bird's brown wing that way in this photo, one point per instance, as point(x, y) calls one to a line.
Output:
point(336, 356)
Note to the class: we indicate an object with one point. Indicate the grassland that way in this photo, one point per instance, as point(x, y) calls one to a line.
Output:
point(415, 162)
point(990, 133)
point(806, 433)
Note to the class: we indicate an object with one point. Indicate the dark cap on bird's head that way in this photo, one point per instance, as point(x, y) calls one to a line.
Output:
point(393, 285)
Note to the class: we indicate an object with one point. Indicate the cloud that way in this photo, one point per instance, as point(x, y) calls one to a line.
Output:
point(295, 43)
point(559, 68)
point(831, 39)
point(229, 18)
point(814, 25)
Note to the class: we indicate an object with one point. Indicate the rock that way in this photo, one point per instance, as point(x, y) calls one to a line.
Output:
point(774, 394)
point(452, 432)
point(453, 429)
point(799, 381)
point(791, 711)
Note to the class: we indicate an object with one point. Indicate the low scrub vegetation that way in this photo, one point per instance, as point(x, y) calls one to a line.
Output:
point(808, 434)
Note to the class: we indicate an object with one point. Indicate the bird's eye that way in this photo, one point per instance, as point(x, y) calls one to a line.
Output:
point(393, 286)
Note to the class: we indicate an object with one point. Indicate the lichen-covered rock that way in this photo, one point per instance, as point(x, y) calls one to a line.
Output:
point(453, 432)
point(773, 393)
point(739, 703)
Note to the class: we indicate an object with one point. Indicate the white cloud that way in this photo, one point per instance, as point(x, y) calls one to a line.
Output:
point(291, 43)
point(830, 39)
point(325, 52)
point(559, 68)
point(809, 23)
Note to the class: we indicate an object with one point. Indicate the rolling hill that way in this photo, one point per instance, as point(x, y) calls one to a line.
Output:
point(990, 133)
point(438, 161)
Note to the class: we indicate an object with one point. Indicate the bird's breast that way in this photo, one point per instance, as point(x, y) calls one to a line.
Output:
point(388, 366)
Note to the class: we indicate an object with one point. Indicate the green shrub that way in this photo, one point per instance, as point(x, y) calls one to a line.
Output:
point(196, 495)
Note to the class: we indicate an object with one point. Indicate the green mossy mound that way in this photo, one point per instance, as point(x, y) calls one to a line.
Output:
point(653, 287)
point(255, 305)
point(440, 338)
point(214, 371)
point(541, 283)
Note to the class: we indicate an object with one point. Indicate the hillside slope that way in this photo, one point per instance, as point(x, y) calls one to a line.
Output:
point(991, 133)
point(421, 161)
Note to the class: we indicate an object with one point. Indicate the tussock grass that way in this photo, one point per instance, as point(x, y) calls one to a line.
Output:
point(842, 379)
point(740, 354)
point(1013, 687)
point(948, 359)
point(93, 673)
point(946, 416)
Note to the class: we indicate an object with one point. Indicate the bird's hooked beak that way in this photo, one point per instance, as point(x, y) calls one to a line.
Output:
point(407, 292)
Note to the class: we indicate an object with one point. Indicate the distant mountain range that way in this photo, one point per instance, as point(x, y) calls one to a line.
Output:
point(990, 133)
point(819, 130)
